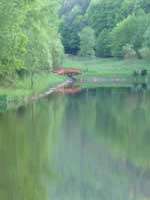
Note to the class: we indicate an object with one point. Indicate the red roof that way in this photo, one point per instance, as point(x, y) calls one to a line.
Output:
point(66, 71)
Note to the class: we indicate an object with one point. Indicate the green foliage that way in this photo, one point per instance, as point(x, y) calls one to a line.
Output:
point(147, 37)
point(145, 53)
point(102, 14)
point(87, 42)
point(29, 36)
point(126, 20)
point(73, 21)
point(57, 52)
point(129, 31)
point(103, 44)
point(122, 34)
point(12, 39)
point(128, 51)
point(41, 26)
point(70, 37)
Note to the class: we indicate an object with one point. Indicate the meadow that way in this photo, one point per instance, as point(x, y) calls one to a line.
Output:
point(106, 66)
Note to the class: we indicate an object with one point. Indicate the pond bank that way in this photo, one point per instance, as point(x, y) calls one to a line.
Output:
point(109, 72)
point(96, 72)
point(48, 92)
point(106, 67)
point(21, 92)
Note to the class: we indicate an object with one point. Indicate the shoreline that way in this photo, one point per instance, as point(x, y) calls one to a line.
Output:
point(13, 101)
point(95, 72)
point(48, 92)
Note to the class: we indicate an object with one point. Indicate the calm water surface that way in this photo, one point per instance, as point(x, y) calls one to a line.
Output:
point(94, 145)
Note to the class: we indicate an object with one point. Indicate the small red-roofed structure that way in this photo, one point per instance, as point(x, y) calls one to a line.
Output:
point(67, 71)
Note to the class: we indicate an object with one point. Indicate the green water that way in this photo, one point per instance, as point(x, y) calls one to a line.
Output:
point(94, 145)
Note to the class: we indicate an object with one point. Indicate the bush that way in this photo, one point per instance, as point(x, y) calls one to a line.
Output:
point(128, 51)
point(145, 52)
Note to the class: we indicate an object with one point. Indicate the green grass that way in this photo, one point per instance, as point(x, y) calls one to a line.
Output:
point(14, 92)
point(23, 87)
point(106, 66)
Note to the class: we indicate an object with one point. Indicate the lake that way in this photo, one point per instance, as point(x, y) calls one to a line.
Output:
point(92, 145)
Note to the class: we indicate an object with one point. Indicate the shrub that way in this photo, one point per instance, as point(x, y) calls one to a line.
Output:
point(145, 52)
point(128, 51)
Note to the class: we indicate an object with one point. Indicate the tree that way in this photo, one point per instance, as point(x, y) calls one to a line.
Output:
point(103, 14)
point(44, 48)
point(70, 37)
point(119, 25)
point(29, 34)
point(73, 21)
point(147, 37)
point(12, 39)
point(129, 31)
point(103, 44)
point(87, 42)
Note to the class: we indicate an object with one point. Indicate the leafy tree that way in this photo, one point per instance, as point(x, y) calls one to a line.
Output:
point(102, 14)
point(126, 19)
point(129, 31)
point(41, 26)
point(122, 34)
point(29, 34)
point(147, 37)
point(70, 38)
point(72, 13)
point(87, 42)
point(12, 39)
point(132, 6)
point(146, 5)
point(103, 44)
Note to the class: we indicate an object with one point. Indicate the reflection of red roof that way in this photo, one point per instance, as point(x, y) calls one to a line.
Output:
point(68, 71)
point(68, 90)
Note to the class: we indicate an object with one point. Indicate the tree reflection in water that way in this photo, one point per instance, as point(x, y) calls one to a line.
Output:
point(89, 146)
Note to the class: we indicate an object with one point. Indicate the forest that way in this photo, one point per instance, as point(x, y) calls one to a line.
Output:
point(106, 28)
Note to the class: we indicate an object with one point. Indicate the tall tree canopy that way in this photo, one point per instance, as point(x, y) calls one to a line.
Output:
point(87, 42)
point(117, 24)
point(73, 21)
point(29, 34)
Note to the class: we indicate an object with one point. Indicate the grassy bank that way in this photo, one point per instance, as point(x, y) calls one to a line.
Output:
point(15, 94)
point(29, 86)
point(95, 67)
point(108, 67)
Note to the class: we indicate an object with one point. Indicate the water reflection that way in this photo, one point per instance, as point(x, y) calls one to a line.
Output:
point(70, 90)
point(89, 146)
point(26, 143)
